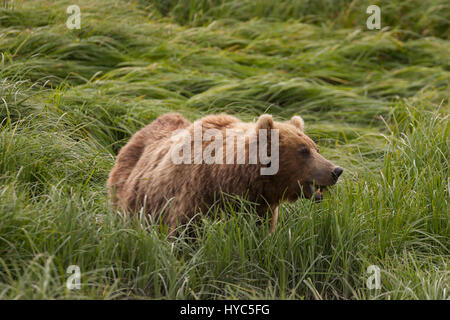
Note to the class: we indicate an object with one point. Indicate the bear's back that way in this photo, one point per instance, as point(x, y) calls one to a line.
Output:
point(147, 139)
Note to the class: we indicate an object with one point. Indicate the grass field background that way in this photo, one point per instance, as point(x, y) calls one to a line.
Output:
point(376, 102)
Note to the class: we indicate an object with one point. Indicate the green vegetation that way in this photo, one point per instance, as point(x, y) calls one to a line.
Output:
point(376, 101)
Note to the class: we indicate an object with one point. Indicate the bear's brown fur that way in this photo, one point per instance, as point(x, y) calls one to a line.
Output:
point(145, 175)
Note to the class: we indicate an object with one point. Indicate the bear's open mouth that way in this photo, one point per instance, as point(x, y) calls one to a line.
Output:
point(316, 191)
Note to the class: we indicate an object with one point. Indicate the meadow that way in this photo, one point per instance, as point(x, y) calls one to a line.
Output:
point(375, 101)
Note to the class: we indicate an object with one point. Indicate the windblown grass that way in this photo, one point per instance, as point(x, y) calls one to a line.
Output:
point(375, 101)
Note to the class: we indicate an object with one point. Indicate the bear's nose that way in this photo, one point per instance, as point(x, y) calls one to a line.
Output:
point(337, 172)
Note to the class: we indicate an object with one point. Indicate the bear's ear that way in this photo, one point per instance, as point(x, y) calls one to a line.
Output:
point(265, 121)
point(298, 122)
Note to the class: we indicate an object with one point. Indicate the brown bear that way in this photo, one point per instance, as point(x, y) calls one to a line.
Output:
point(177, 168)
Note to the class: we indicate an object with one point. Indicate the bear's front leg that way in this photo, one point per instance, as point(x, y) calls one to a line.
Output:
point(265, 210)
point(273, 221)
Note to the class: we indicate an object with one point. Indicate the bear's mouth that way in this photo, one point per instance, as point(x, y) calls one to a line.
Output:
point(316, 191)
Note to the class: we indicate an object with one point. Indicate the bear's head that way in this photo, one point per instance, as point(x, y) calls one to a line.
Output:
point(303, 171)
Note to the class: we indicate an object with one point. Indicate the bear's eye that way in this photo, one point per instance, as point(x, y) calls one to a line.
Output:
point(304, 151)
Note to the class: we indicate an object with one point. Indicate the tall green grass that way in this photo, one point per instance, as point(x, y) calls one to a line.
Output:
point(375, 101)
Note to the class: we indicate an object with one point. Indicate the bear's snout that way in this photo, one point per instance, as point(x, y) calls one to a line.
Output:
point(336, 173)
